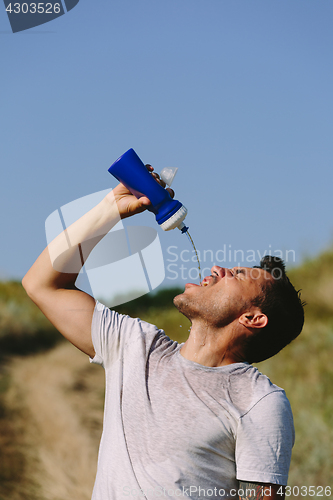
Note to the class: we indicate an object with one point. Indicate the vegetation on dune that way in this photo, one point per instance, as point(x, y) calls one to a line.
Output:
point(23, 328)
point(305, 370)
point(315, 279)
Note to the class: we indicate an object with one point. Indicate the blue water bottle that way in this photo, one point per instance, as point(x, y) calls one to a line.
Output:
point(130, 171)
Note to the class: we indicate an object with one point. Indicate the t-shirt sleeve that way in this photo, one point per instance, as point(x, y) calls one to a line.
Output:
point(112, 332)
point(265, 437)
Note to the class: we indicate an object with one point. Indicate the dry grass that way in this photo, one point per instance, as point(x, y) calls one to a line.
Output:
point(60, 450)
point(15, 482)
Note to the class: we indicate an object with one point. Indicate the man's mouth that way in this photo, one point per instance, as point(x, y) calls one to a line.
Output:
point(213, 277)
point(207, 280)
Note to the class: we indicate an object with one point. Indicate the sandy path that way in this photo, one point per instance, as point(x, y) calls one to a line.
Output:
point(61, 397)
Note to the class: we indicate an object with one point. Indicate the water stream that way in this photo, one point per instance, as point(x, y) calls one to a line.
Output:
point(196, 253)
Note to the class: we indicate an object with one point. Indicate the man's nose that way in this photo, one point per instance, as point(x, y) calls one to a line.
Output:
point(218, 271)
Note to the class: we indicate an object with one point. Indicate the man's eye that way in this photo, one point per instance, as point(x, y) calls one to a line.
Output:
point(239, 271)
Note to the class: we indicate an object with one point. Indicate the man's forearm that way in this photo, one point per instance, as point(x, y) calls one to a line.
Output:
point(60, 263)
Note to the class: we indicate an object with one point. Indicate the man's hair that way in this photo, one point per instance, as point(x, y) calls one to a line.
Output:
point(282, 305)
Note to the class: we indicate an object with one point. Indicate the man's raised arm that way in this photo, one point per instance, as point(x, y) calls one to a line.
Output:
point(50, 282)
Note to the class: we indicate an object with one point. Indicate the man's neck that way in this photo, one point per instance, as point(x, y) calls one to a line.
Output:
point(211, 347)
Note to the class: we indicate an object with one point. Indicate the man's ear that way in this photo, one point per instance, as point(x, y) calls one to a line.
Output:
point(253, 319)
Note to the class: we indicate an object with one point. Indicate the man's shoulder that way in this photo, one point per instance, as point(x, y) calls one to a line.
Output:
point(112, 317)
point(127, 328)
point(116, 336)
point(248, 386)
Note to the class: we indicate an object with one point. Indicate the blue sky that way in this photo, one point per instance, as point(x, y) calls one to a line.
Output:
point(236, 94)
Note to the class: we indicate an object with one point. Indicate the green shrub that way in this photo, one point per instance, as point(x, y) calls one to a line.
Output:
point(23, 328)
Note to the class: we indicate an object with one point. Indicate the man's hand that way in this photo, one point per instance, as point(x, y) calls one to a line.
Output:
point(127, 203)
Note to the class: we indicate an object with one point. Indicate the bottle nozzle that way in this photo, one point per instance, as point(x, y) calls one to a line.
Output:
point(183, 228)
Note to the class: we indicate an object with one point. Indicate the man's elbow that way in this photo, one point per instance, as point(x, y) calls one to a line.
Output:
point(30, 287)
point(26, 284)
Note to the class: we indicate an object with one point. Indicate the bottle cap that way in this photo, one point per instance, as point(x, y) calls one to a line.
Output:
point(168, 174)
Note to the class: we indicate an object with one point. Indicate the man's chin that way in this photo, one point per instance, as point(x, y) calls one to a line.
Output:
point(180, 303)
point(177, 299)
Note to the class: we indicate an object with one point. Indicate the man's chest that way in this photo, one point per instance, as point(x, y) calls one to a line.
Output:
point(168, 413)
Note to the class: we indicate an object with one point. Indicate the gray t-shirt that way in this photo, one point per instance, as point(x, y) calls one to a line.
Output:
point(175, 428)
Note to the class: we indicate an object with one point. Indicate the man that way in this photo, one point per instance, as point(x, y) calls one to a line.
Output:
point(193, 420)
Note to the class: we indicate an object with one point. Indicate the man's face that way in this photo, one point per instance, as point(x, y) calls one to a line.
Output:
point(224, 295)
